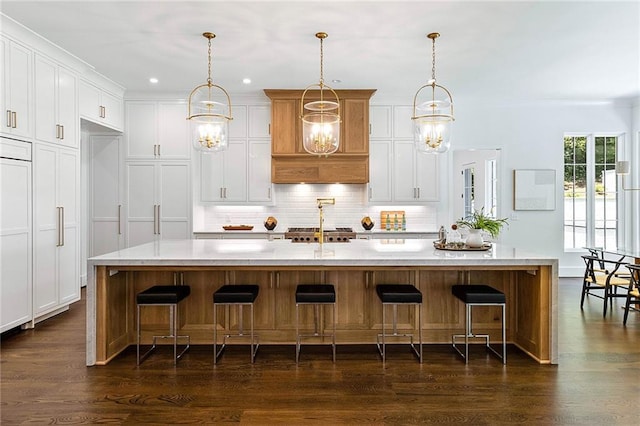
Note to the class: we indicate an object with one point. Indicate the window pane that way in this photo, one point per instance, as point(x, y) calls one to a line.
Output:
point(581, 150)
point(610, 150)
point(581, 180)
point(599, 149)
point(568, 150)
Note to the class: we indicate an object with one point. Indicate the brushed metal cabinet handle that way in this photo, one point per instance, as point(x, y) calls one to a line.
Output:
point(9, 118)
point(158, 219)
point(62, 225)
point(159, 150)
point(119, 219)
point(58, 226)
point(61, 131)
point(14, 119)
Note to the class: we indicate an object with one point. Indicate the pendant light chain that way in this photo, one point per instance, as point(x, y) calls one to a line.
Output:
point(209, 80)
point(433, 59)
point(321, 63)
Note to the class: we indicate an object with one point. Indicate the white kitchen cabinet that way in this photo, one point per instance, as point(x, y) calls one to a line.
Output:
point(56, 114)
point(15, 241)
point(415, 174)
point(380, 159)
point(400, 174)
point(259, 188)
point(259, 121)
point(17, 90)
point(106, 228)
point(380, 122)
point(223, 175)
point(402, 123)
point(158, 202)
point(238, 126)
point(56, 283)
point(100, 106)
point(157, 130)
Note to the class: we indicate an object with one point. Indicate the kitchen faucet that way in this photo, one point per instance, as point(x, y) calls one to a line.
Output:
point(321, 202)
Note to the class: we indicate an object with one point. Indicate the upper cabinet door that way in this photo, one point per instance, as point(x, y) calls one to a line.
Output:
point(355, 126)
point(17, 68)
point(112, 110)
point(380, 159)
point(380, 122)
point(47, 129)
point(259, 121)
point(285, 127)
point(68, 107)
point(100, 106)
point(55, 103)
point(141, 131)
point(174, 140)
point(402, 123)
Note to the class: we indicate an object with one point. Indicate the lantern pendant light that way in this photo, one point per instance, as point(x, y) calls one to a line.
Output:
point(209, 112)
point(432, 118)
point(320, 118)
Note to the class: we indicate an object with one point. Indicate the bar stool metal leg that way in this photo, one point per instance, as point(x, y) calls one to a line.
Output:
point(381, 338)
point(317, 320)
point(254, 342)
point(469, 334)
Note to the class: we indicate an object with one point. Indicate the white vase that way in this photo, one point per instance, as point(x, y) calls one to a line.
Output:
point(474, 239)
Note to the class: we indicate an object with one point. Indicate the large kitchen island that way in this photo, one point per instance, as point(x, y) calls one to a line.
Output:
point(529, 281)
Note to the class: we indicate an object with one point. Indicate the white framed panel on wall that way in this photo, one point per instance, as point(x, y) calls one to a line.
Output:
point(534, 189)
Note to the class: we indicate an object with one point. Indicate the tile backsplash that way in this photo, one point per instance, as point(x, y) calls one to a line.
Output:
point(295, 206)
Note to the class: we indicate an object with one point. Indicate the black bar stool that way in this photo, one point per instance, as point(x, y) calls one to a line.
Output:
point(238, 295)
point(394, 295)
point(316, 295)
point(163, 295)
point(479, 295)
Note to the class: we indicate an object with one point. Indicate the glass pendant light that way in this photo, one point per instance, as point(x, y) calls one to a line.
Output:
point(433, 117)
point(209, 112)
point(320, 118)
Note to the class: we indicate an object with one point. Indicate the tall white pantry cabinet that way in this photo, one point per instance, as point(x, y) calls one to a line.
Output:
point(41, 222)
point(56, 228)
point(157, 171)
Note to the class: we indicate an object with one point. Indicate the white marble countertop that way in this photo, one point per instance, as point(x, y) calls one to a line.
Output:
point(261, 252)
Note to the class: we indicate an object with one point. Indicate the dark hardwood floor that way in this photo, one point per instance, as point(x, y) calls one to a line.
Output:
point(44, 380)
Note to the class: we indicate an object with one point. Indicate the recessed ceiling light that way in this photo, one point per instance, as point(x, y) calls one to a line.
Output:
point(336, 81)
point(246, 80)
point(153, 80)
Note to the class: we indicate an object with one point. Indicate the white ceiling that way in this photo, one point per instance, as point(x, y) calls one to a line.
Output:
point(567, 50)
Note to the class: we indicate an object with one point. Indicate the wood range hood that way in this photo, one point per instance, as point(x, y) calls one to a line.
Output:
point(290, 163)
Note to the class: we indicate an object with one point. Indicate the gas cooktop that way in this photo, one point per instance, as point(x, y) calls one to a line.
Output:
point(308, 235)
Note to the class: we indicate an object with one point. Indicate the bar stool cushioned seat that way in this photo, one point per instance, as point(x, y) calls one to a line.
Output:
point(315, 294)
point(479, 295)
point(238, 294)
point(163, 295)
point(399, 294)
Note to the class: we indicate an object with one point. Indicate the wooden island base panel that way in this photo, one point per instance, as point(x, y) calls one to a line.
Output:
point(529, 282)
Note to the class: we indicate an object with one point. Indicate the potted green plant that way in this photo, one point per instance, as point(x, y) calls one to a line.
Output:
point(479, 221)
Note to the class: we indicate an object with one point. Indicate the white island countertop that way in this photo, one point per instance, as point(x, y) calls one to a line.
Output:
point(357, 253)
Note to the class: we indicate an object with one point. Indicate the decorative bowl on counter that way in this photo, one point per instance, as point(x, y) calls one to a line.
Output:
point(367, 223)
point(271, 223)
point(237, 227)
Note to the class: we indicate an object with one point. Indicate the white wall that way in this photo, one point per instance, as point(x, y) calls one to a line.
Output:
point(530, 136)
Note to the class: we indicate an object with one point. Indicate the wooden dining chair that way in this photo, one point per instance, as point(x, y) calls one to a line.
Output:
point(602, 274)
point(633, 292)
